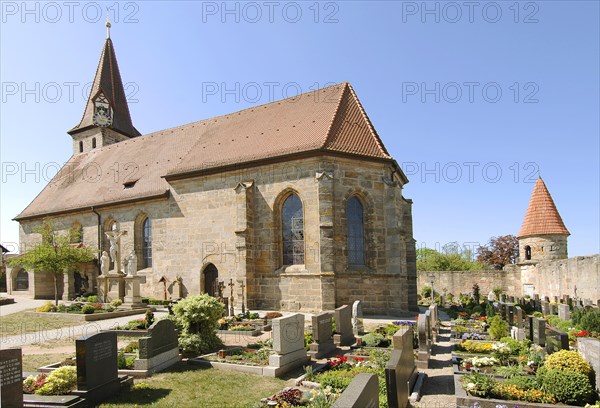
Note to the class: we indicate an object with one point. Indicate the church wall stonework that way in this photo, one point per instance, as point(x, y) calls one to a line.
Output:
point(233, 221)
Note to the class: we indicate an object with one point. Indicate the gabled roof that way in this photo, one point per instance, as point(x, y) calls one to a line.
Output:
point(542, 217)
point(330, 120)
point(108, 81)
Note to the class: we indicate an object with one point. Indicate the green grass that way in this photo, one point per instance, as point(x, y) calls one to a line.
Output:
point(20, 323)
point(188, 386)
point(31, 362)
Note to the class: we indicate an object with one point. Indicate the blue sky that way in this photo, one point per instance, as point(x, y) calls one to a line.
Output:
point(473, 99)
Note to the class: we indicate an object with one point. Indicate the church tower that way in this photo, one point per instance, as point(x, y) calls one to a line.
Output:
point(543, 235)
point(106, 119)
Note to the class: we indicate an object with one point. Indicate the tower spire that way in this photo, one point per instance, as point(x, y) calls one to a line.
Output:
point(108, 25)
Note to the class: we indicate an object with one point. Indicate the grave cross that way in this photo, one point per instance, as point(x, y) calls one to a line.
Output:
point(231, 310)
point(242, 286)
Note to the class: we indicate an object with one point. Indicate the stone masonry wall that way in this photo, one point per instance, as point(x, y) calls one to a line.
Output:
point(233, 221)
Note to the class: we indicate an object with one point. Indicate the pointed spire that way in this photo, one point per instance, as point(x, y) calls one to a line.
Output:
point(542, 217)
point(107, 84)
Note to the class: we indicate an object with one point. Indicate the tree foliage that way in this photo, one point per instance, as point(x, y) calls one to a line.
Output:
point(54, 254)
point(500, 251)
point(452, 258)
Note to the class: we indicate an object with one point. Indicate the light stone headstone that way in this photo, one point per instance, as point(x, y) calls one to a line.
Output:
point(545, 307)
point(343, 326)
point(11, 378)
point(288, 344)
point(357, 318)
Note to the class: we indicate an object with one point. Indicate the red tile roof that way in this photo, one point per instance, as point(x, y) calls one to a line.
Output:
point(542, 217)
point(327, 120)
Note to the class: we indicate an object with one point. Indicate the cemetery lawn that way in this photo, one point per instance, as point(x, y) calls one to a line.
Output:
point(19, 323)
point(31, 362)
point(192, 386)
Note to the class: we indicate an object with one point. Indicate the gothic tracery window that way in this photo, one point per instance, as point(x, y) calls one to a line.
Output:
point(356, 231)
point(292, 221)
point(147, 243)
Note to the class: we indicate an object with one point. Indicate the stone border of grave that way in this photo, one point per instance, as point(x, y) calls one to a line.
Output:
point(251, 333)
point(6, 301)
point(90, 317)
point(122, 372)
point(464, 400)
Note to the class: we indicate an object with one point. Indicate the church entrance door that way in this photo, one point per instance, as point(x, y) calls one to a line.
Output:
point(211, 276)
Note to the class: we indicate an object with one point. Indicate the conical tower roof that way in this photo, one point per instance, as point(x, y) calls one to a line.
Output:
point(542, 217)
point(108, 82)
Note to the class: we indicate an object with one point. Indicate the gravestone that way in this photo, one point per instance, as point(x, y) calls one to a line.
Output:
point(545, 308)
point(553, 308)
point(288, 344)
point(343, 326)
point(589, 348)
point(587, 302)
point(519, 324)
point(400, 376)
point(160, 349)
point(322, 335)
point(363, 392)
point(511, 299)
point(555, 299)
point(11, 378)
point(563, 312)
point(510, 314)
point(97, 366)
point(556, 340)
point(423, 335)
point(433, 313)
point(357, 318)
point(528, 322)
point(566, 299)
point(539, 331)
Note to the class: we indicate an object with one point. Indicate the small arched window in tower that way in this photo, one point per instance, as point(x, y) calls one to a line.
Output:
point(527, 253)
point(93, 142)
point(356, 232)
point(292, 222)
point(147, 243)
point(80, 147)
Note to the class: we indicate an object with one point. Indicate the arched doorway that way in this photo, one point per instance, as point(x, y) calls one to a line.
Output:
point(211, 276)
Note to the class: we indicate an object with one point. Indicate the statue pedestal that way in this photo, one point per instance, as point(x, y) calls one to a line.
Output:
point(132, 298)
point(111, 287)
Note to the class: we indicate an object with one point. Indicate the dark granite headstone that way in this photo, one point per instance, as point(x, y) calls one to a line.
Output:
point(11, 378)
point(556, 340)
point(322, 335)
point(539, 331)
point(528, 322)
point(97, 365)
point(343, 326)
point(510, 314)
point(553, 308)
point(363, 392)
point(162, 337)
point(400, 376)
point(518, 322)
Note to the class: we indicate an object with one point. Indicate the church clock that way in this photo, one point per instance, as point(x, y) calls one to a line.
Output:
point(102, 113)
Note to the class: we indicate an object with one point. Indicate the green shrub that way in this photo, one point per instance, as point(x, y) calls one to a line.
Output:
point(197, 318)
point(590, 321)
point(498, 328)
point(92, 299)
point(125, 362)
point(523, 382)
point(517, 348)
point(375, 340)
point(48, 307)
point(148, 318)
point(537, 314)
point(88, 309)
point(60, 381)
point(131, 347)
point(509, 371)
point(489, 310)
point(477, 309)
point(478, 384)
point(116, 303)
point(567, 386)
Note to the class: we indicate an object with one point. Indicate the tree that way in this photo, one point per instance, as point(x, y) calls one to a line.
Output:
point(500, 251)
point(453, 258)
point(54, 254)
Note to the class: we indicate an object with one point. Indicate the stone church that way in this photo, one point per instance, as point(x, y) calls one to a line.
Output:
point(297, 202)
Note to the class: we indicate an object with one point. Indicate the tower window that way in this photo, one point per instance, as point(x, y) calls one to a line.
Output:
point(93, 143)
point(527, 253)
point(80, 147)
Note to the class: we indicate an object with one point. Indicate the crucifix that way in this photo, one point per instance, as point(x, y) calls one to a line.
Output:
point(242, 286)
point(231, 310)
point(114, 238)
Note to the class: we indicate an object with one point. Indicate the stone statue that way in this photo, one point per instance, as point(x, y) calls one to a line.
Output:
point(132, 264)
point(491, 296)
point(104, 263)
point(114, 238)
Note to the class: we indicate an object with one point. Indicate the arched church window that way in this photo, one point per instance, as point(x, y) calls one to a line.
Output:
point(527, 253)
point(80, 147)
point(147, 243)
point(292, 221)
point(356, 231)
point(93, 142)
point(22, 280)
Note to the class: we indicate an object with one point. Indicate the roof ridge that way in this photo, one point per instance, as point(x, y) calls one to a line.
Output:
point(337, 110)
